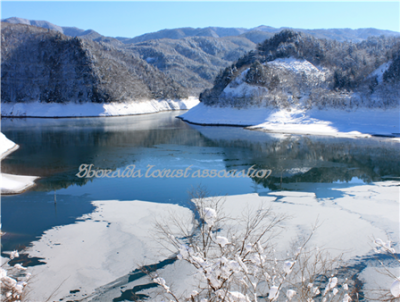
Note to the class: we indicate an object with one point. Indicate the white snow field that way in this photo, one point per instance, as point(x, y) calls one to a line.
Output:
point(105, 245)
point(12, 184)
point(38, 109)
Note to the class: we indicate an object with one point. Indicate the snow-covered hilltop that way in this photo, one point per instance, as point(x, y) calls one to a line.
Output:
point(299, 84)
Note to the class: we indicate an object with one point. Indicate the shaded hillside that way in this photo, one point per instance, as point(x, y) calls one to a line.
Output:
point(192, 62)
point(38, 64)
point(296, 69)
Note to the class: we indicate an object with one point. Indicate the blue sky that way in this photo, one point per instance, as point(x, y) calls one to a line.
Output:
point(133, 18)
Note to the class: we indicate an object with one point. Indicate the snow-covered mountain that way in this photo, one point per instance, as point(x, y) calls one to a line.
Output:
point(193, 56)
point(293, 68)
point(295, 79)
point(260, 33)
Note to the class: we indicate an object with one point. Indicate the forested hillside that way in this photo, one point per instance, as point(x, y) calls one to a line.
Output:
point(40, 64)
point(192, 62)
point(293, 68)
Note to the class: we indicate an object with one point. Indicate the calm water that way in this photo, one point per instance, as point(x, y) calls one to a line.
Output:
point(54, 149)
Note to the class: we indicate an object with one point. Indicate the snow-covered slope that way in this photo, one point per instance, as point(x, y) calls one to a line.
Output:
point(378, 73)
point(296, 66)
point(254, 85)
point(38, 109)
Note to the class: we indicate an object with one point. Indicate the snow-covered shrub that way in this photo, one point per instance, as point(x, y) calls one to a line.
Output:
point(13, 280)
point(234, 259)
point(392, 291)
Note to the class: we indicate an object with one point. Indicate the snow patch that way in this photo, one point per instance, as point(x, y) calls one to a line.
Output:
point(39, 109)
point(244, 90)
point(6, 146)
point(14, 184)
point(239, 88)
point(378, 73)
point(295, 65)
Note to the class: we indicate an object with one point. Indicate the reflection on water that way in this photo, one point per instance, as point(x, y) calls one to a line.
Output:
point(295, 158)
point(54, 149)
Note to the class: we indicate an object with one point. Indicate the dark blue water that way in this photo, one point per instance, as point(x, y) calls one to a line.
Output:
point(55, 148)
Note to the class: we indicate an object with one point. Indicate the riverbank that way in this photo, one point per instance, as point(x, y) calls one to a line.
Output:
point(362, 122)
point(63, 110)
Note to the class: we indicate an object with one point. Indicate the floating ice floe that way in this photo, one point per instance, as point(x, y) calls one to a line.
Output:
point(9, 183)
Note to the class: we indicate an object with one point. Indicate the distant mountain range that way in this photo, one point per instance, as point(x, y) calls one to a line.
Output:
point(260, 33)
point(256, 34)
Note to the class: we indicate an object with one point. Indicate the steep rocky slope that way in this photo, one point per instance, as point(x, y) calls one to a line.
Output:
point(44, 65)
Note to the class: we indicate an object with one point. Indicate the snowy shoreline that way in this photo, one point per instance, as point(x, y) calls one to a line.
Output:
point(362, 122)
point(13, 184)
point(74, 110)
